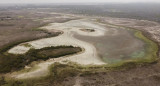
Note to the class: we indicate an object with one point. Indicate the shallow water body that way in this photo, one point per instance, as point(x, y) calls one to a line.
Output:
point(118, 44)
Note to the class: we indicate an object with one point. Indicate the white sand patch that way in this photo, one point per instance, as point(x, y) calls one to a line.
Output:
point(89, 56)
point(19, 50)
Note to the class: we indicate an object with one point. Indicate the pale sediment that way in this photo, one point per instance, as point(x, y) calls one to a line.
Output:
point(88, 57)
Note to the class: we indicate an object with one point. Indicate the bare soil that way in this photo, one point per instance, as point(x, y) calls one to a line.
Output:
point(22, 24)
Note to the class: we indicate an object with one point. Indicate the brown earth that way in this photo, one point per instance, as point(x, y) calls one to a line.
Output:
point(148, 75)
point(18, 25)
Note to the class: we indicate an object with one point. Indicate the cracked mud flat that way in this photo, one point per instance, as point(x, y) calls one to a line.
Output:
point(89, 56)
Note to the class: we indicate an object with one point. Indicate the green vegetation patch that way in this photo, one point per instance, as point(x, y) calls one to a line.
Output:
point(12, 62)
point(88, 30)
point(53, 52)
point(26, 45)
point(151, 47)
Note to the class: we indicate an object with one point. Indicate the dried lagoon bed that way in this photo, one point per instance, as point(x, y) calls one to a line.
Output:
point(128, 45)
point(72, 69)
point(122, 44)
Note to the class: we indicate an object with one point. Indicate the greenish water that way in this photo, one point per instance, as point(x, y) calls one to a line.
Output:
point(122, 44)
